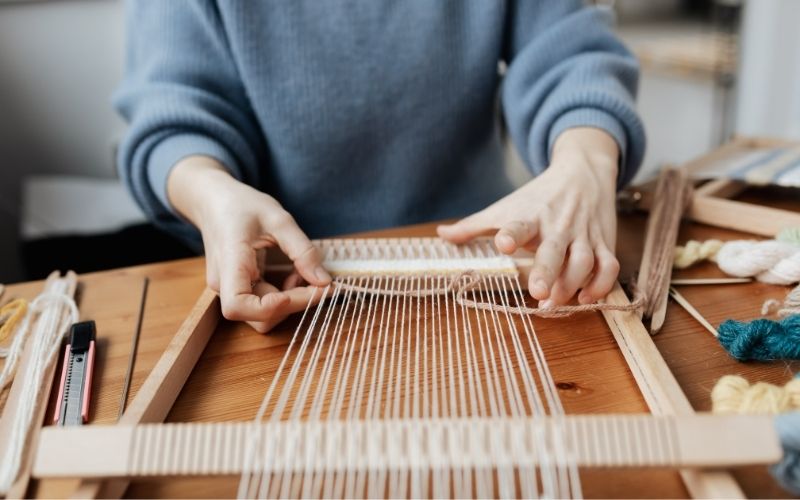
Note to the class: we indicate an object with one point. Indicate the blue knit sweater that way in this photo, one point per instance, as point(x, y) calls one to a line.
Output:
point(360, 114)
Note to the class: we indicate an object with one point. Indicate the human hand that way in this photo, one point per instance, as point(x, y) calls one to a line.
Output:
point(238, 223)
point(568, 214)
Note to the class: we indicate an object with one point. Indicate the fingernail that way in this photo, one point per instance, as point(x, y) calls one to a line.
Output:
point(322, 275)
point(539, 288)
point(584, 298)
point(545, 304)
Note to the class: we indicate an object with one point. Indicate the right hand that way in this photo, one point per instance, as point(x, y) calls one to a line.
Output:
point(238, 223)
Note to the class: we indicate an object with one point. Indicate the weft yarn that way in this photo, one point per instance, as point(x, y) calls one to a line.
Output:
point(10, 316)
point(732, 394)
point(762, 339)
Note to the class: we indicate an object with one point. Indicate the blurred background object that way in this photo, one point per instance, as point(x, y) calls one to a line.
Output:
point(710, 69)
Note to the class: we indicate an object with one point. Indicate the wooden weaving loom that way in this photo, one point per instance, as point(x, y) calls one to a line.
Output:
point(398, 385)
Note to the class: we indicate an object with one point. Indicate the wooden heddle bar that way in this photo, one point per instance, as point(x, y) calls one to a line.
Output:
point(208, 449)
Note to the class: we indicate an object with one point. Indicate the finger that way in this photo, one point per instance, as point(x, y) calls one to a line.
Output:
point(468, 228)
point(293, 301)
point(238, 270)
point(605, 276)
point(293, 281)
point(547, 265)
point(212, 273)
point(516, 234)
point(579, 265)
point(295, 244)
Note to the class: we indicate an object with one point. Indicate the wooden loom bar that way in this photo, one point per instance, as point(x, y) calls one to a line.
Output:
point(661, 391)
point(735, 215)
point(155, 398)
point(202, 449)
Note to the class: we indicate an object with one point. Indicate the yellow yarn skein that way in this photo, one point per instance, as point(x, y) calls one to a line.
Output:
point(733, 394)
point(695, 251)
point(10, 315)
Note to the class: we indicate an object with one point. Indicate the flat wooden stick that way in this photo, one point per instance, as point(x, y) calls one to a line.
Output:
point(661, 232)
point(740, 216)
point(661, 391)
point(735, 215)
point(20, 485)
point(721, 188)
point(688, 307)
point(214, 449)
point(155, 398)
point(709, 281)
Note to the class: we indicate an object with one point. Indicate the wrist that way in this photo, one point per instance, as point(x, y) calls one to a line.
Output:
point(590, 148)
point(194, 184)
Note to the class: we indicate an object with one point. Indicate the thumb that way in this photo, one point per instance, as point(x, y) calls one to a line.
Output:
point(466, 229)
point(306, 257)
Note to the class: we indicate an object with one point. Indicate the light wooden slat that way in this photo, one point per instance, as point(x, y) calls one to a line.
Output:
point(162, 386)
point(689, 441)
point(661, 391)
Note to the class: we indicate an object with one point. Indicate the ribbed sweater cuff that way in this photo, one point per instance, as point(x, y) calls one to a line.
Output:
point(596, 118)
point(177, 147)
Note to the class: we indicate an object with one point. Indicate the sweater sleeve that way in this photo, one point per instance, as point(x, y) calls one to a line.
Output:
point(566, 69)
point(182, 96)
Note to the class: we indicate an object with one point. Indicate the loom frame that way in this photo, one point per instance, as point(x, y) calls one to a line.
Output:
point(658, 386)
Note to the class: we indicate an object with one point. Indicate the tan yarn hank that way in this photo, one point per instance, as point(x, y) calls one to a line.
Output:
point(695, 251)
point(733, 394)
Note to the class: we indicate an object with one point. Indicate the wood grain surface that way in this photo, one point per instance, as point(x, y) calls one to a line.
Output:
point(590, 372)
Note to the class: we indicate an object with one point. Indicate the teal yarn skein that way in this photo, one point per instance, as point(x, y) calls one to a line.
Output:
point(762, 339)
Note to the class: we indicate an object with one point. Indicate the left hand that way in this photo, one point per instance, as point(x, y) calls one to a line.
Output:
point(568, 214)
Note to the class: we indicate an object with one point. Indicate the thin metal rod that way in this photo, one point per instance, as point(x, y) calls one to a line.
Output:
point(134, 348)
point(681, 300)
point(709, 281)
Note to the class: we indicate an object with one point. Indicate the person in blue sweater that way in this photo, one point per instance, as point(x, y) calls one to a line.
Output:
point(264, 123)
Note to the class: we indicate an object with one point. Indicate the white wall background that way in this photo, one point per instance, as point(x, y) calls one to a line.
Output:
point(59, 63)
point(769, 80)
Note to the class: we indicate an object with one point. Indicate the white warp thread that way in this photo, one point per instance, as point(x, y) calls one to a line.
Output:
point(49, 327)
point(770, 261)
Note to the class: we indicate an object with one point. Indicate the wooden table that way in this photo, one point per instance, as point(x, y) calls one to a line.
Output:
point(229, 381)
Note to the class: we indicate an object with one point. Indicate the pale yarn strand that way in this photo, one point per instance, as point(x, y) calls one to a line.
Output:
point(48, 320)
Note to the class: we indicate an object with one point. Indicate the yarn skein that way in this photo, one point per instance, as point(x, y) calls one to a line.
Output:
point(787, 471)
point(732, 394)
point(789, 235)
point(762, 339)
point(790, 304)
point(769, 261)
